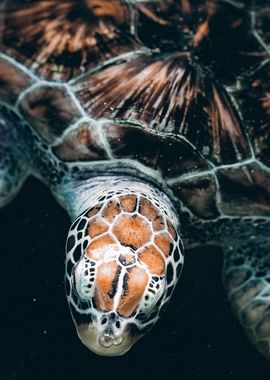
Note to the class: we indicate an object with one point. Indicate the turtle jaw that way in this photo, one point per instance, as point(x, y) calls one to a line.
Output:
point(106, 343)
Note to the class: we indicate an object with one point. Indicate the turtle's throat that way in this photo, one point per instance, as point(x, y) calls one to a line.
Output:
point(81, 195)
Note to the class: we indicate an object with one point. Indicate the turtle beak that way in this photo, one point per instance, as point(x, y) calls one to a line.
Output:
point(106, 342)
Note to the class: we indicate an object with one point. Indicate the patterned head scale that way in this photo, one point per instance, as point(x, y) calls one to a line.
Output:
point(124, 256)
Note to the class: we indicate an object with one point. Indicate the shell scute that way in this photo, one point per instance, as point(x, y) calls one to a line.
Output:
point(199, 193)
point(61, 40)
point(245, 190)
point(13, 81)
point(177, 157)
point(132, 142)
point(228, 47)
point(50, 110)
point(255, 107)
point(173, 156)
point(171, 96)
point(219, 33)
point(82, 143)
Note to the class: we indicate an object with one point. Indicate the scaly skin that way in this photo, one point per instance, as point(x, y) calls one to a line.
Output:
point(124, 257)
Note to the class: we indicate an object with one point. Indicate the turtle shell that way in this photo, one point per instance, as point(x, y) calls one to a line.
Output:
point(179, 91)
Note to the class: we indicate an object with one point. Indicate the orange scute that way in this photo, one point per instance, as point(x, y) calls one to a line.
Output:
point(148, 210)
point(97, 227)
point(153, 260)
point(158, 223)
point(128, 202)
point(152, 213)
point(137, 282)
point(105, 276)
point(94, 210)
point(132, 231)
point(111, 211)
point(97, 244)
point(163, 241)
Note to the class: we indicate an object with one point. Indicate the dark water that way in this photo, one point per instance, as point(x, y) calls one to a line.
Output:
point(197, 338)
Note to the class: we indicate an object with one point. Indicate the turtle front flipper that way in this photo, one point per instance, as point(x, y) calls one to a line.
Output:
point(13, 158)
point(246, 275)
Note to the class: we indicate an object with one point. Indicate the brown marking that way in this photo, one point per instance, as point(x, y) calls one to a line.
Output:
point(94, 210)
point(171, 229)
point(128, 202)
point(152, 213)
point(97, 227)
point(266, 102)
point(164, 242)
point(148, 210)
point(236, 23)
point(186, 6)
point(97, 244)
point(153, 260)
point(111, 211)
point(158, 223)
point(115, 10)
point(136, 284)
point(83, 136)
point(132, 231)
point(151, 15)
point(106, 275)
point(202, 32)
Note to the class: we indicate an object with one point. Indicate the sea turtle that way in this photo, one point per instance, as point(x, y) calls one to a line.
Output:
point(149, 121)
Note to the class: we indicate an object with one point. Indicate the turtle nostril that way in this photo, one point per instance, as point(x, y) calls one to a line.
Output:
point(106, 340)
point(118, 340)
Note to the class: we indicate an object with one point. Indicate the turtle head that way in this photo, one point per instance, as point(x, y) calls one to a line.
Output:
point(124, 256)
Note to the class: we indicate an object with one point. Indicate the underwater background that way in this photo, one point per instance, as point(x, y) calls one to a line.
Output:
point(197, 338)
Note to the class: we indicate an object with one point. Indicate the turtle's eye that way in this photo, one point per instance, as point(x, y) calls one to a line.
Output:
point(129, 258)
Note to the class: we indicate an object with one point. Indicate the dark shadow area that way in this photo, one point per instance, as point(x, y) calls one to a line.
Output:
point(197, 338)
